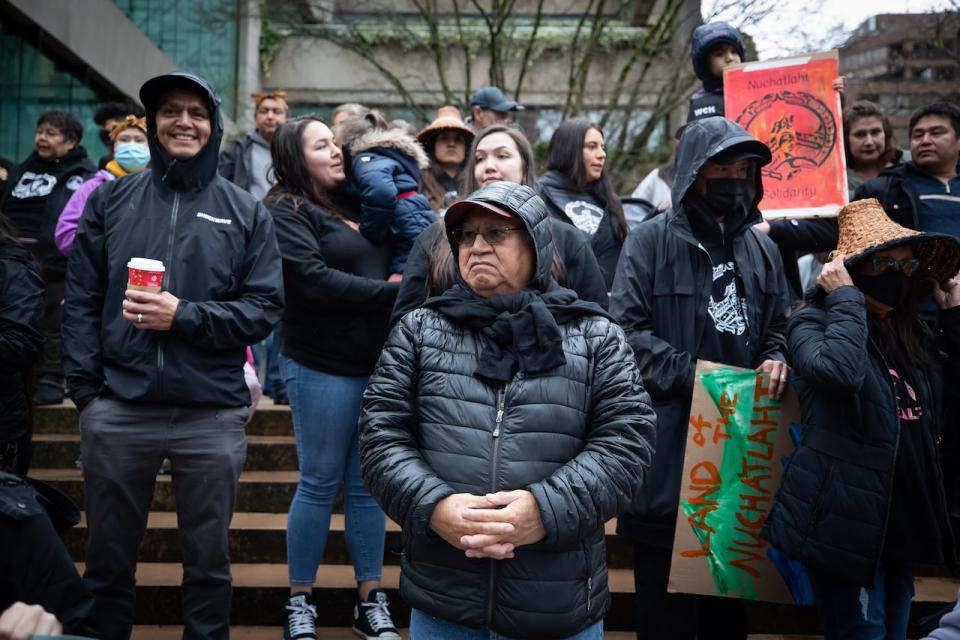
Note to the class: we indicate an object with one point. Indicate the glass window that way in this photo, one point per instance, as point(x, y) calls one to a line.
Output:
point(30, 84)
point(200, 36)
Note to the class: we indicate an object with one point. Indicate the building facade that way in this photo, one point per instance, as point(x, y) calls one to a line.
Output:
point(901, 62)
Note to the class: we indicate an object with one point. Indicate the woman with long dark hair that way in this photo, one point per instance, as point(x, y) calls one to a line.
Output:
point(863, 498)
point(499, 153)
point(578, 190)
point(21, 339)
point(333, 328)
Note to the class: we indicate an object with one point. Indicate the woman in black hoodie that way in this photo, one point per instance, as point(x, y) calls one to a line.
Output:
point(333, 328)
point(578, 191)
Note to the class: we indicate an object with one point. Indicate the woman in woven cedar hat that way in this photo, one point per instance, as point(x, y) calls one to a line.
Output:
point(446, 141)
point(862, 499)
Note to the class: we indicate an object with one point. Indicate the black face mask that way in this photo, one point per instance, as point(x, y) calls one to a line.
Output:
point(731, 196)
point(890, 288)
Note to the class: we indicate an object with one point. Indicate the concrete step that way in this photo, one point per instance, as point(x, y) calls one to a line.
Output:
point(264, 453)
point(269, 419)
point(261, 538)
point(259, 491)
point(256, 586)
point(142, 632)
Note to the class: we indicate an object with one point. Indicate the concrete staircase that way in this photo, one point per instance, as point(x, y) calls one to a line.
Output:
point(257, 547)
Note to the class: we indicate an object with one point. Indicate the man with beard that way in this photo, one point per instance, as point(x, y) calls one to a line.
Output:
point(696, 282)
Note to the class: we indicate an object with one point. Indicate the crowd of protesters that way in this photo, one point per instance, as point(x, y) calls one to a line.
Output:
point(500, 362)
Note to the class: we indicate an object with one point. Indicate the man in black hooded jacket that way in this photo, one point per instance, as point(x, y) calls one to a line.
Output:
point(695, 283)
point(160, 375)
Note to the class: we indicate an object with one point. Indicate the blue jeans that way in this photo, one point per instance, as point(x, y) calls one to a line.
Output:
point(851, 612)
point(267, 354)
point(424, 626)
point(326, 409)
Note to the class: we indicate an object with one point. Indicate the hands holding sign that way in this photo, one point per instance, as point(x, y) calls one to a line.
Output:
point(489, 526)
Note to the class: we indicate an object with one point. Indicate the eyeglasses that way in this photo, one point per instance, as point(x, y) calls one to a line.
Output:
point(883, 264)
point(491, 235)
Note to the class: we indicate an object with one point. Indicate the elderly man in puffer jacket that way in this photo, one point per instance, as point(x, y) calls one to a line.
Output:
point(505, 423)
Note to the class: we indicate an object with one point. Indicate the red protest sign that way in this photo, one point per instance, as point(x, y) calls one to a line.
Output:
point(792, 107)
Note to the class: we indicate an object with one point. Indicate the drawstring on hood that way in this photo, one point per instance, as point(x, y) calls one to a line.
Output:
point(201, 169)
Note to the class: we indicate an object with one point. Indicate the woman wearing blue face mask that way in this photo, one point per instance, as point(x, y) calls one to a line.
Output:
point(131, 154)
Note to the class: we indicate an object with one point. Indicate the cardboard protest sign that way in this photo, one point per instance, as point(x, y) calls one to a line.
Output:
point(738, 442)
point(791, 106)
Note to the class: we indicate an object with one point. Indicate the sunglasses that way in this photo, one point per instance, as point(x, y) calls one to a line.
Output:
point(492, 235)
point(883, 264)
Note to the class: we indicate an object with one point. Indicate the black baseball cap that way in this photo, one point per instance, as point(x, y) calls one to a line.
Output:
point(493, 98)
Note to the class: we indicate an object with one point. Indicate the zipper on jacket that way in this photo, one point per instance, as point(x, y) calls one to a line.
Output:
point(166, 276)
point(494, 461)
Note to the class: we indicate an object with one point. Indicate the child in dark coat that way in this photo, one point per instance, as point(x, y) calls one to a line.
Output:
point(715, 46)
point(386, 163)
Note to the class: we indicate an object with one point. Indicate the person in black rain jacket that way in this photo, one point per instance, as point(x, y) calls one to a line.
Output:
point(160, 375)
point(697, 282)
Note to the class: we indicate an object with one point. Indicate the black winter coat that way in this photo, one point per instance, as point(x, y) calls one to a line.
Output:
point(832, 508)
point(660, 297)
point(21, 337)
point(37, 192)
point(581, 271)
point(222, 262)
point(35, 567)
point(233, 162)
point(579, 437)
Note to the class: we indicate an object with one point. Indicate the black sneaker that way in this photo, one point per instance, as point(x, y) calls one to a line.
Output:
point(371, 619)
point(301, 618)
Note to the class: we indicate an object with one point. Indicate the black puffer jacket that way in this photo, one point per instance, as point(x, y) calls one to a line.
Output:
point(832, 508)
point(21, 320)
point(579, 438)
point(220, 251)
point(661, 297)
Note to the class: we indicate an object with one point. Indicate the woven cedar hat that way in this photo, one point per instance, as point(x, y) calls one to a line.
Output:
point(865, 229)
point(448, 117)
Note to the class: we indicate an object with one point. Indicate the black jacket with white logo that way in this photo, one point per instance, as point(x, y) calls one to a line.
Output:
point(220, 251)
point(37, 191)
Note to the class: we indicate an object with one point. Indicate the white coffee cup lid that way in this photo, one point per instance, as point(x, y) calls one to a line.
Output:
point(145, 264)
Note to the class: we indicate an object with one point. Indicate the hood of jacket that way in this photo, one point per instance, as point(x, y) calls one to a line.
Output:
point(704, 38)
point(197, 172)
point(523, 202)
point(392, 139)
point(705, 139)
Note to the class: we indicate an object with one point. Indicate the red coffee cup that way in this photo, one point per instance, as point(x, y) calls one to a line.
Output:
point(144, 274)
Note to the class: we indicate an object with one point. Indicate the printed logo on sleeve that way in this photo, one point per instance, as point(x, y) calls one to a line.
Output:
point(204, 216)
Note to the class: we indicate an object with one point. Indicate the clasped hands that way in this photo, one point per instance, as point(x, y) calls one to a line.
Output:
point(488, 526)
